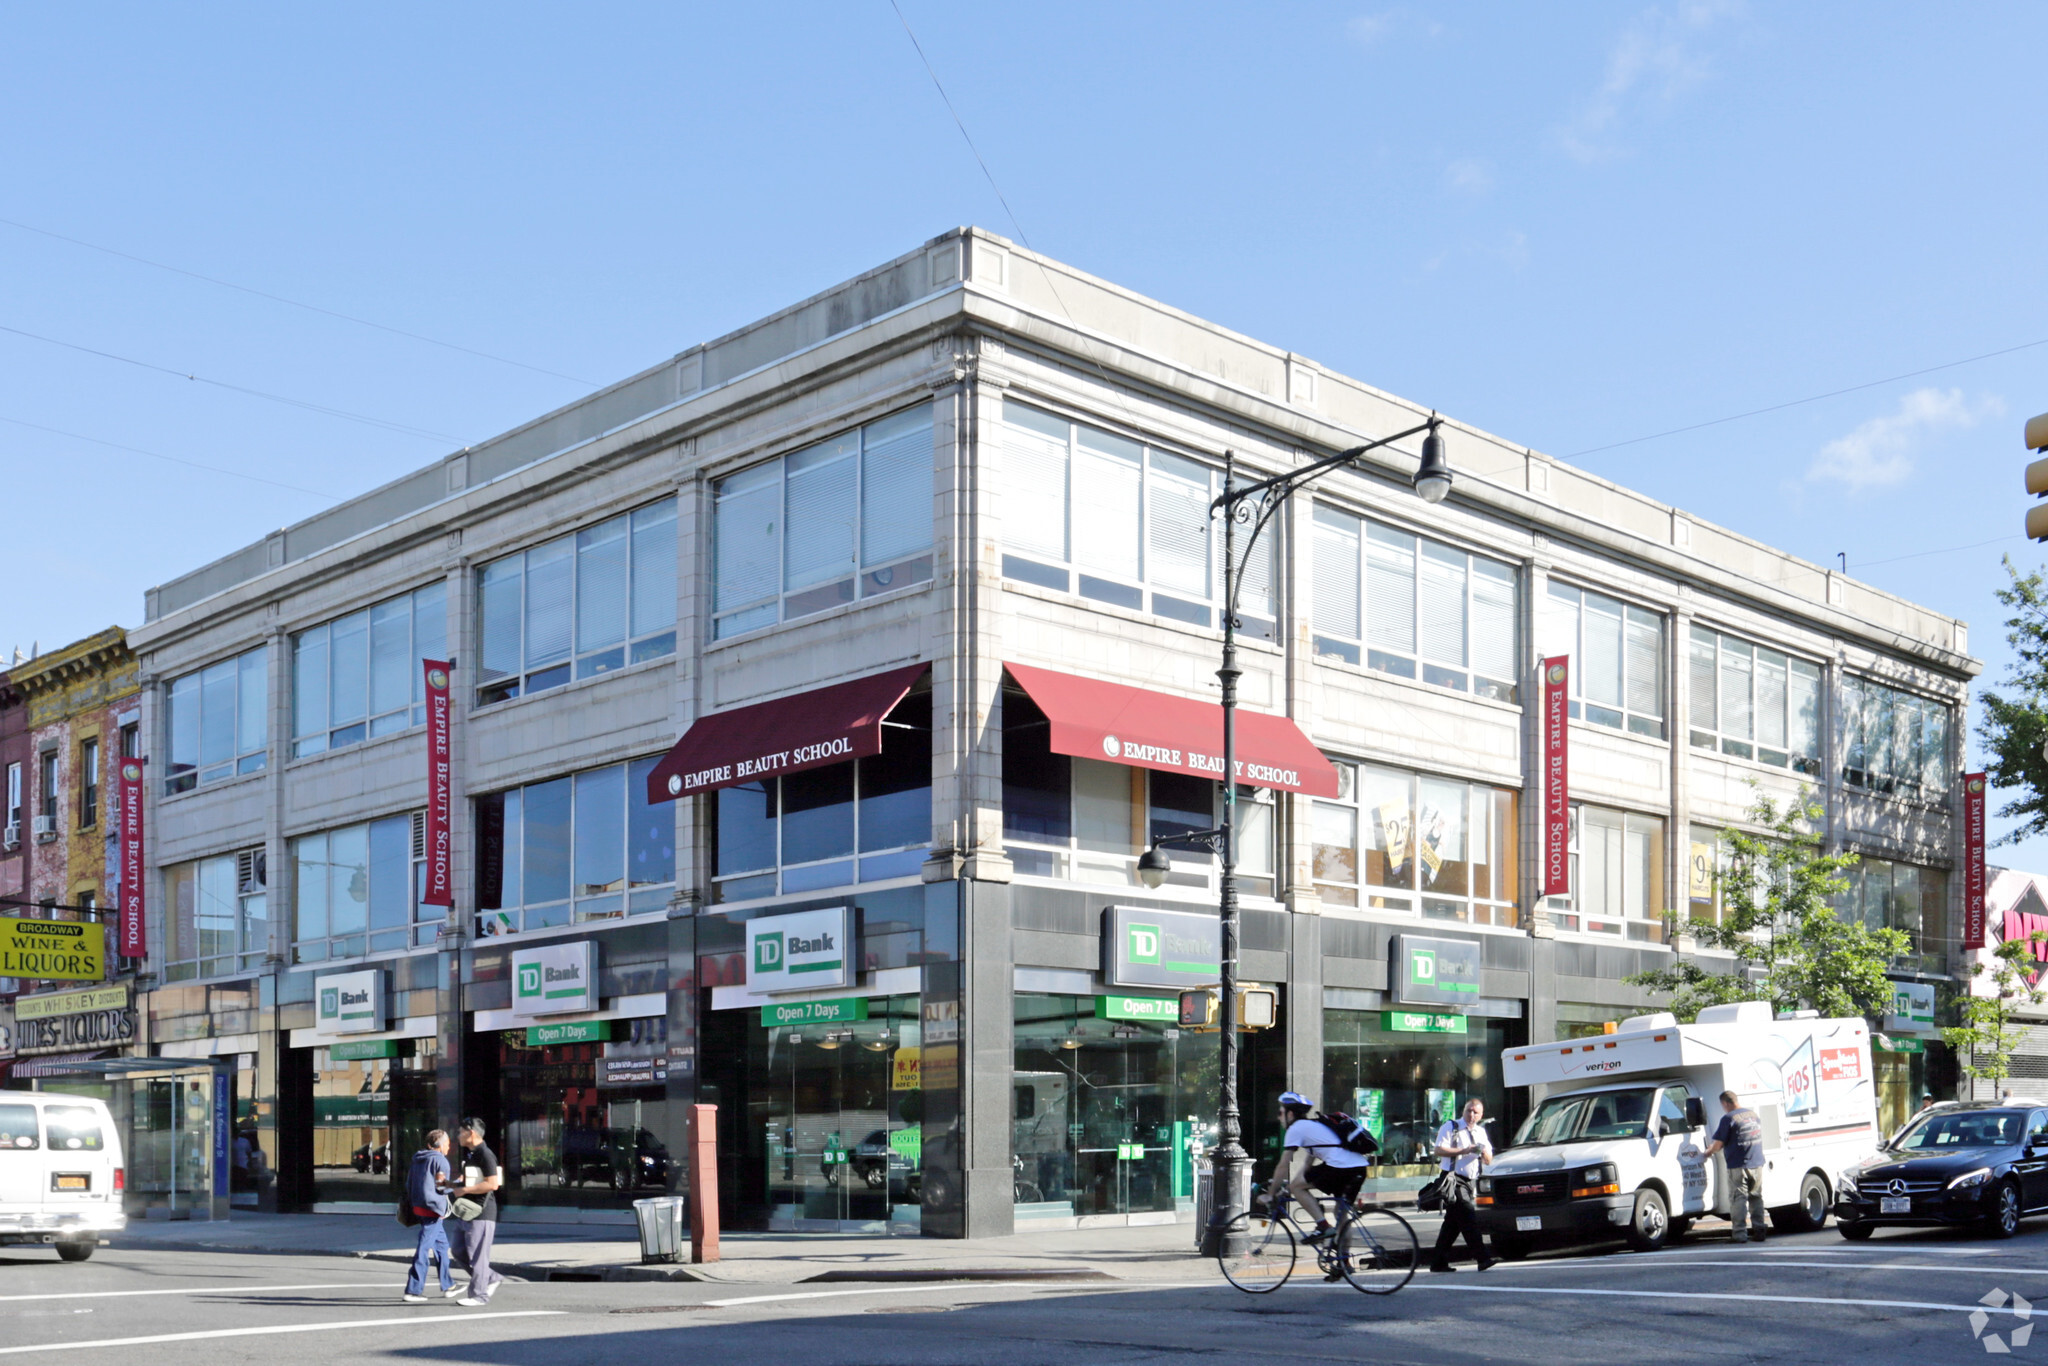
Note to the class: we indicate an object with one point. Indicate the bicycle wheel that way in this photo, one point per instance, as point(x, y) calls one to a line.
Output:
point(1376, 1250)
point(1265, 1256)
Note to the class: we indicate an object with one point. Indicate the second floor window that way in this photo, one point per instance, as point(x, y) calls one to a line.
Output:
point(1754, 702)
point(849, 517)
point(1884, 894)
point(14, 798)
point(580, 605)
point(587, 846)
point(89, 784)
point(1087, 511)
point(359, 676)
point(1617, 657)
point(216, 916)
point(1405, 842)
point(358, 890)
point(46, 784)
point(1409, 606)
point(1894, 742)
point(1617, 876)
point(219, 721)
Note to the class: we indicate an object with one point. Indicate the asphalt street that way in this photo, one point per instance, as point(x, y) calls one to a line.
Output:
point(1905, 1298)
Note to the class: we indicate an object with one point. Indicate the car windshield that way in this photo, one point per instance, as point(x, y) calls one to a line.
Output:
point(1603, 1114)
point(1980, 1129)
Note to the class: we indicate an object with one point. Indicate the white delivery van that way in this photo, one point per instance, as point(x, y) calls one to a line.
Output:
point(61, 1172)
point(1616, 1147)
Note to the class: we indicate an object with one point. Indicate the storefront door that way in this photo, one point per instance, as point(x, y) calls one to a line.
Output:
point(370, 1115)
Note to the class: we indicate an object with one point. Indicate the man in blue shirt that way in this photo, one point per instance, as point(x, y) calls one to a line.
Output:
point(1741, 1136)
point(425, 1187)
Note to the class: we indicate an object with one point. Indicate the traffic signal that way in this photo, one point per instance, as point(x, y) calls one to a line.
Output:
point(1257, 1008)
point(2037, 478)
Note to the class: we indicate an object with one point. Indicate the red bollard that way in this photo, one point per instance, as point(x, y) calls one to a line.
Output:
point(703, 1183)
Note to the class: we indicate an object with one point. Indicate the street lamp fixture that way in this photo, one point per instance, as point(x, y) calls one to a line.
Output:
point(1252, 506)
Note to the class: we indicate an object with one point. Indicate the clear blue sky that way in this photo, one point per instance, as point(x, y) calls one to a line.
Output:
point(1571, 225)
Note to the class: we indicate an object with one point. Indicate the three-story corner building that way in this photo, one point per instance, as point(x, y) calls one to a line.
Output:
point(816, 691)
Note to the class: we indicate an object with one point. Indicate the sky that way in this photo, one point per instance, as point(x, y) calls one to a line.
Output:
point(392, 231)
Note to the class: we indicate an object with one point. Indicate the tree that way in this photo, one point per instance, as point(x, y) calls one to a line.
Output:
point(2015, 722)
point(1789, 946)
point(1987, 1038)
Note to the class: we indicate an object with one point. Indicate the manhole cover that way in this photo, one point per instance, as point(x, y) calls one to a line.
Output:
point(660, 1308)
point(911, 1309)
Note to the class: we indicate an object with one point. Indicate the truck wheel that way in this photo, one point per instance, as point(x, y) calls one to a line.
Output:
point(77, 1252)
point(2004, 1219)
point(1810, 1215)
point(1510, 1249)
point(1855, 1230)
point(1649, 1226)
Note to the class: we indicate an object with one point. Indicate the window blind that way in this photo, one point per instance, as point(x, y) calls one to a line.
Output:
point(1738, 717)
point(1771, 695)
point(1178, 528)
point(1109, 473)
point(1389, 589)
point(1703, 679)
point(1442, 612)
point(1804, 705)
point(501, 612)
point(896, 487)
point(1601, 666)
point(601, 585)
point(1645, 662)
point(654, 568)
point(1336, 573)
point(391, 667)
point(819, 544)
point(1493, 620)
point(1035, 488)
point(549, 618)
point(748, 558)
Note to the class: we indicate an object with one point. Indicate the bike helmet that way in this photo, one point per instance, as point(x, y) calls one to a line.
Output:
point(1296, 1098)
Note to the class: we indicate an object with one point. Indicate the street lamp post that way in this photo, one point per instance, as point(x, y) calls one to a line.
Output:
point(1254, 505)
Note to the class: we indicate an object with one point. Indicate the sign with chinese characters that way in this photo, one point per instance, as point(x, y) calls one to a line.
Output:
point(1973, 861)
point(800, 952)
point(1147, 948)
point(1557, 787)
point(349, 1003)
point(906, 1072)
point(554, 979)
point(132, 928)
point(58, 950)
point(1428, 971)
point(440, 888)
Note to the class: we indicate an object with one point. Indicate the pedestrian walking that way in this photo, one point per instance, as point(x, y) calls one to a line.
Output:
point(476, 1210)
point(1463, 1149)
point(424, 1193)
point(1741, 1135)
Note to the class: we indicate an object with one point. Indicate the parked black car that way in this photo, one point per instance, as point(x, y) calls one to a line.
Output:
point(623, 1159)
point(1973, 1164)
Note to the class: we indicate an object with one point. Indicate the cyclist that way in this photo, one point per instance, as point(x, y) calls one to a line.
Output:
point(1314, 1159)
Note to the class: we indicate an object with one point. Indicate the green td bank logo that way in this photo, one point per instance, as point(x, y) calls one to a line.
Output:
point(1422, 967)
point(768, 952)
point(529, 979)
point(1142, 944)
point(330, 1002)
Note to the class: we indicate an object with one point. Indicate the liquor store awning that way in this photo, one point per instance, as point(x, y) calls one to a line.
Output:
point(828, 725)
point(1093, 719)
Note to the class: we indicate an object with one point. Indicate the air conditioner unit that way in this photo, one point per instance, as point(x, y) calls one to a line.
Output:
point(46, 827)
point(10, 836)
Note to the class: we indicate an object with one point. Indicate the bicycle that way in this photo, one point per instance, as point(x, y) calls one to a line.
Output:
point(1371, 1247)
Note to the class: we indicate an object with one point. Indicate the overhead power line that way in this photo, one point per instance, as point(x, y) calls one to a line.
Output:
point(399, 427)
point(173, 459)
point(295, 303)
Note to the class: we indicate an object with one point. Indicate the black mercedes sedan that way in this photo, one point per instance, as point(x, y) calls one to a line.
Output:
point(1966, 1163)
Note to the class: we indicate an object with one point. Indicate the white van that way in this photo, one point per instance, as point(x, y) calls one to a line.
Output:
point(1619, 1150)
point(61, 1172)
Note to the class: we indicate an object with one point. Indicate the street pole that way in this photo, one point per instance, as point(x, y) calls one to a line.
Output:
point(1229, 1157)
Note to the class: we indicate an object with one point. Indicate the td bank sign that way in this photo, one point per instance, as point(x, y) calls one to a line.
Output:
point(349, 1002)
point(800, 952)
point(554, 979)
point(1148, 948)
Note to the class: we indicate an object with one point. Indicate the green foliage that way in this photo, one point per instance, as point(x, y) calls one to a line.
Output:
point(1789, 946)
point(2015, 720)
point(1986, 1038)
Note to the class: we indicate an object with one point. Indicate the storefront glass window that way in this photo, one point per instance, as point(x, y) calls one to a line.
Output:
point(369, 1117)
point(582, 1123)
point(1403, 1085)
point(1107, 1115)
point(1408, 843)
point(835, 826)
point(586, 847)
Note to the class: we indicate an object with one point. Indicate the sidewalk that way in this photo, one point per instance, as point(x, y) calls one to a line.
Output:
point(573, 1252)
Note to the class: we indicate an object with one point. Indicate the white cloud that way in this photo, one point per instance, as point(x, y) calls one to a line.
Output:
point(1469, 175)
point(1880, 452)
point(1367, 30)
point(1657, 58)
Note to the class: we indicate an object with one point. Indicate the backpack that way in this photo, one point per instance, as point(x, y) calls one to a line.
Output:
point(1352, 1136)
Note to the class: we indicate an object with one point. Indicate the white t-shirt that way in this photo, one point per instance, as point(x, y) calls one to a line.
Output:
point(1459, 1134)
point(1322, 1140)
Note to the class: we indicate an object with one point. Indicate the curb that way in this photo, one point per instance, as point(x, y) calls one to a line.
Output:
point(928, 1274)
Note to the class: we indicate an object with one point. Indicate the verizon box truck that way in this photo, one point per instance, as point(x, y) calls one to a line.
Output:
point(1616, 1146)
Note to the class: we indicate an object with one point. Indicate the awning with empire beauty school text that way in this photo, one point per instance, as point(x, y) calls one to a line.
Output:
point(1092, 719)
point(827, 725)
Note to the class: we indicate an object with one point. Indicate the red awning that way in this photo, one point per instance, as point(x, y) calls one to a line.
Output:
point(1092, 719)
point(809, 730)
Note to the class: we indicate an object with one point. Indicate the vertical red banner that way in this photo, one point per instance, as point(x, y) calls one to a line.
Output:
point(1973, 861)
point(133, 931)
point(1557, 788)
point(440, 889)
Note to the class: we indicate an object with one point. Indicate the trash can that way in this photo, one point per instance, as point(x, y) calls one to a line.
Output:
point(664, 1227)
point(1205, 1194)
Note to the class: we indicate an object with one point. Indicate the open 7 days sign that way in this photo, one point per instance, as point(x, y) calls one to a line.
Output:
point(554, 979)
point(800, 952)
